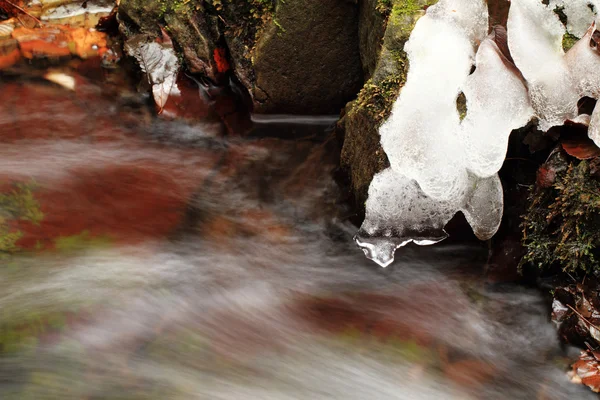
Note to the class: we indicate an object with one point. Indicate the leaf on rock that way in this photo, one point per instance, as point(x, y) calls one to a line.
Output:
point(12, 8)
point(158, 61)
point(221, 60)
point(580, 147)
point(586, 370)
point(60, 41)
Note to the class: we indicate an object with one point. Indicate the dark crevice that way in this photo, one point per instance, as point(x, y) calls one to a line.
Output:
point(461, 105)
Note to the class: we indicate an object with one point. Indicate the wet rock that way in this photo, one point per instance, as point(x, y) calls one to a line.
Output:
point(372, 22)
point(307, 60)
point(299, 57)
point(189, 26)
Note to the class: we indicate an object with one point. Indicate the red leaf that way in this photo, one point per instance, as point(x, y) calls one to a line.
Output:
point(545, 176)
point(221, 60)
point(581, 147)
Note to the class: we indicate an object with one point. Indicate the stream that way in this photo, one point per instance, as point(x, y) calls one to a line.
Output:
point(171, 262)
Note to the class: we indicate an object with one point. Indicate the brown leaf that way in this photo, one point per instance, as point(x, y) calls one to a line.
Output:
point(586, 370)
point(581, 147)
point(60, 41)
point(9, 53)
point(12, 7)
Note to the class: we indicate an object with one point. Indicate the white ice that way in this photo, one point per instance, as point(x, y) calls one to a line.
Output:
point(556, 80)
point(438, 164)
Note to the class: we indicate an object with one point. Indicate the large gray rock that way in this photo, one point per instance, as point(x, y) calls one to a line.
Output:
point(307, 60)
point(299, 56)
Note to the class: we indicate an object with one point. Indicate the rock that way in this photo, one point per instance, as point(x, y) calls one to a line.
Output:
point(382, 41)
point(307, 60)
point(298, 57)
point(187, 22)
point(371, 28)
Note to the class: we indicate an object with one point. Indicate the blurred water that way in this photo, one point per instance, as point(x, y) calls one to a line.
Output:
point(257, 292)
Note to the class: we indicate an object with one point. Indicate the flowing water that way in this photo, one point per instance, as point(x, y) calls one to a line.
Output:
point(171, 263)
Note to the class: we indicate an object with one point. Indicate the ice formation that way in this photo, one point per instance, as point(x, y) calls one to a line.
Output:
point(398, 212)
point(594, 127)
point(556, 80)
point(579, 13)
point(438, 164)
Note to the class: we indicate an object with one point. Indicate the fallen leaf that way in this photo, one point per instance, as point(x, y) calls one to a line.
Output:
point(6, 28)
point(12, 8)
point(221, 60)
point(60, 41)
point(74, 14)
point(160, 63)
point(89, 42)
point(43, 42)
point(586, 371)
point(580, 147)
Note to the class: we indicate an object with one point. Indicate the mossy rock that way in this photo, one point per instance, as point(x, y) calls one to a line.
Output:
point(184, 20)
point(562, 225)
point(298, 57)
point(362, 155)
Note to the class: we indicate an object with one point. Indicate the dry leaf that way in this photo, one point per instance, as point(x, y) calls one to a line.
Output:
point(586, 370)
point(160, 63)
point(60, 41)
point(581, 147)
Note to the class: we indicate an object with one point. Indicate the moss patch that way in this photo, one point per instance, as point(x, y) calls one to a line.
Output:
point(17, 203)
point(244, 19)
point(384, 6)
point(569, 41)
point(81, 241)
point(406, 7)
point(377, 99)
point(562, 225)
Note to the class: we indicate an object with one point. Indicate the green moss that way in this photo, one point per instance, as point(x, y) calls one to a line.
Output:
point(81, 241)
point(8, 241)
point(18, 203)
point(244, 19)
point(406, 7)
point(569, 41)
point(23, 331)
point(384, 6)
point(562, 225)
point(377, 99)
point(461, 106)
point(180, 7)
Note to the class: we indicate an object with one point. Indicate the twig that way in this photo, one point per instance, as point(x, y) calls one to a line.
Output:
point(583, 318)
point(22, 10)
